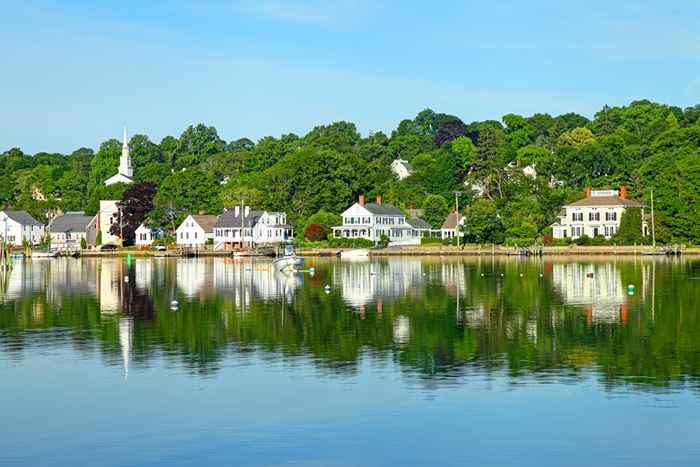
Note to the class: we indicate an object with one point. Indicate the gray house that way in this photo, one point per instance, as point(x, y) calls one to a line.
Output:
point(68, 230)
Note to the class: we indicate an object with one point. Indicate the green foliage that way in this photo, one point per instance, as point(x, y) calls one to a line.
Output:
point(324, 218)
point(185, 192)
point(336, 242)
point(435, 210)
point(83, 243)
point(483, 224)
point(383, 241)
point(98, 238)
point(630, 231)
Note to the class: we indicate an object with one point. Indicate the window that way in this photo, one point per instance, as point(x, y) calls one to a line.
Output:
point(593, 216)
point(577, 217)
point(611, 216)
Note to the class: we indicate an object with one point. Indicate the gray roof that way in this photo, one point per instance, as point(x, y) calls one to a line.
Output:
point(70, 222)
point(604, 201)
point(23, 218)
point(206, 221)
point(452, 220)
point(418, 223)
point(385, 209)
point(229, 220)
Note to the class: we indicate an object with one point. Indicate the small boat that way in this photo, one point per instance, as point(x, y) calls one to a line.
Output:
point(354, 253)
point(289, 261)
point(45, 254)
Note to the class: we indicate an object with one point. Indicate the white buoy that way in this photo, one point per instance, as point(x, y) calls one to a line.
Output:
point(521, 274)
point(174, 303)
point(501, 274)
point(482, 274)
point(126, 278)
point(312, 270)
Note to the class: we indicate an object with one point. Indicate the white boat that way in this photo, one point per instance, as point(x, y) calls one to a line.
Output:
point(289, 261)
point(354, 253)
point(44, 254)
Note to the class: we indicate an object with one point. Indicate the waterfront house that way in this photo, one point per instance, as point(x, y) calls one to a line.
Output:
point(452, 225)
point(599, 213)
point(372, 220)
point(68, 230)
point(240, 227)
point(17, 227)
point(401, 168)
point(144, 236)
point(196, 230)
point(421, 228)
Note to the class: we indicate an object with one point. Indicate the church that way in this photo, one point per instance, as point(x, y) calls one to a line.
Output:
point(109, 213)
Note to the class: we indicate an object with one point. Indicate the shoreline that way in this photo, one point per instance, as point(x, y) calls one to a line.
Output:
point(440, 250)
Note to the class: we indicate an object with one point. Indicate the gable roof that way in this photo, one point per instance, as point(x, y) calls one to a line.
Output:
point(229, 220)
point(385, 209)
point(601, 201)
point(205, 221)
point(452, 220)
point(418, 223)
point(71, 222)
point(406, 165)
point(22, 217)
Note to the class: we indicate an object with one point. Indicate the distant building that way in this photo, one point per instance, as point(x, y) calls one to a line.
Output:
point(125, 173)
point(372, 220)
point(420, 227)
point(599, 213)
point(145, 236)
point(451, 226)
point(239, 227)
point(196, 230)
point(401, 168)
point(107, 216)
point(19, 226)
point(68, 230)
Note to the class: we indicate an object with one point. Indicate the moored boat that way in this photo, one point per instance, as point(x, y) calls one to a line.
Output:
point(289, 261)
point(354, 253)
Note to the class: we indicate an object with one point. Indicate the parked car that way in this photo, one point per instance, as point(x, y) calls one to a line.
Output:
point(108, 247)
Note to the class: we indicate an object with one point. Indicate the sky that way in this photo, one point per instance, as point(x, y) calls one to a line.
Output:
point(73, 72)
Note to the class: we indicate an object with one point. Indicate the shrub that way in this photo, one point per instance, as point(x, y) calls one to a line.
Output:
point(583, 240)
point(383, 241)
point(349, 242)
point(83, 244)
point(316, 233)
point(430, 240)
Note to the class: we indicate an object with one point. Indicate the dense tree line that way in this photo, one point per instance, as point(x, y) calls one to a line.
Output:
point(643, 145)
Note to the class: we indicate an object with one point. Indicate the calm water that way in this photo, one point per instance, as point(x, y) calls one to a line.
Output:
point(401, 362)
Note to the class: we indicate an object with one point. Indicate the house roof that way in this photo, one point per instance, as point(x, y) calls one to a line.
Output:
point(386, 209)
point(601, 201)
point(70, 222)
point(452, 220)
point(22, 217)
point(405, 164)
point(229, 220)
point(418, 223)
point(206, 221)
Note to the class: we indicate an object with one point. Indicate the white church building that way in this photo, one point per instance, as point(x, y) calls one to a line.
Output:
point(109, 213)
point(126, 171)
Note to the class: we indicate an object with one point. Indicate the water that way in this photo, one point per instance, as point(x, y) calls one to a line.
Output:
point(406, 361)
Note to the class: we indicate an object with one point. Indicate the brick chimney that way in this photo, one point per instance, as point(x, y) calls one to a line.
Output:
point(379, 199)
point(588, 191)
point(361, 200)
point(623, 192)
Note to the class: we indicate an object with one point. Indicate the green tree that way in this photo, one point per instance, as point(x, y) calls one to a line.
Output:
point(435, 208)
point(630, 231)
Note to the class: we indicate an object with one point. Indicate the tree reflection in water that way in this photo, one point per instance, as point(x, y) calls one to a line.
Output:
point(438, 319)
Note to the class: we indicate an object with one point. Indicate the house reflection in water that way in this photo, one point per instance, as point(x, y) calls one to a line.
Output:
point(598, 288)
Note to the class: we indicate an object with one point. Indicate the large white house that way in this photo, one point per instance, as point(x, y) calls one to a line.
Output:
point(107, 216)
point(401, 168)
point(18, 226)
point(68, 230)
point(372, 220)
point(195, 230)
point(599, 213)
point(239, 227)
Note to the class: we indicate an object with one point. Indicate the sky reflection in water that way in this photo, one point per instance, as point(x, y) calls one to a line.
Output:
point(405, 361)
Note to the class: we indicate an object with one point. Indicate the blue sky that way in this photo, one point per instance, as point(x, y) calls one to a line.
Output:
point(72, 72)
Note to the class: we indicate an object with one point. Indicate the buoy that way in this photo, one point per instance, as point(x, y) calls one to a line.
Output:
point(126, 278)
point(482, 274)
point(312, 270)
point(174, 303)
point(501, 274)
point(631, 289)
point(541, 275)
point(521, 274)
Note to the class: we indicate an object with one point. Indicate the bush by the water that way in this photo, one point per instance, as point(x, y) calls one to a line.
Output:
point(316, 233)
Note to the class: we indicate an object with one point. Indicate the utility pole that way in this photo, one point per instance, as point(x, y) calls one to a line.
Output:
point(457, 230)
point(653, 232)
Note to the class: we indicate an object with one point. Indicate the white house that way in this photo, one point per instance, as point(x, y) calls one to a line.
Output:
point(239, 227)
point(401, 168)
point(68, 230)
point(450, 227)
point(144, 236)
point(18, 226)
point(372, 220)
point(599, 213)
point(195, 230)
point(107, 216)
point(125, 172)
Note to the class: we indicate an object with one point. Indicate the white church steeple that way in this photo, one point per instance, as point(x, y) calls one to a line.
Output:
point(125, 173)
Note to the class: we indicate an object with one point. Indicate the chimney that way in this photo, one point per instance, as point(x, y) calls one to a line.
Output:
point(236, 210)
point(623, 192)
point(379, 199)
point(588, 191)
point(361, 200)
point(247, 211)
